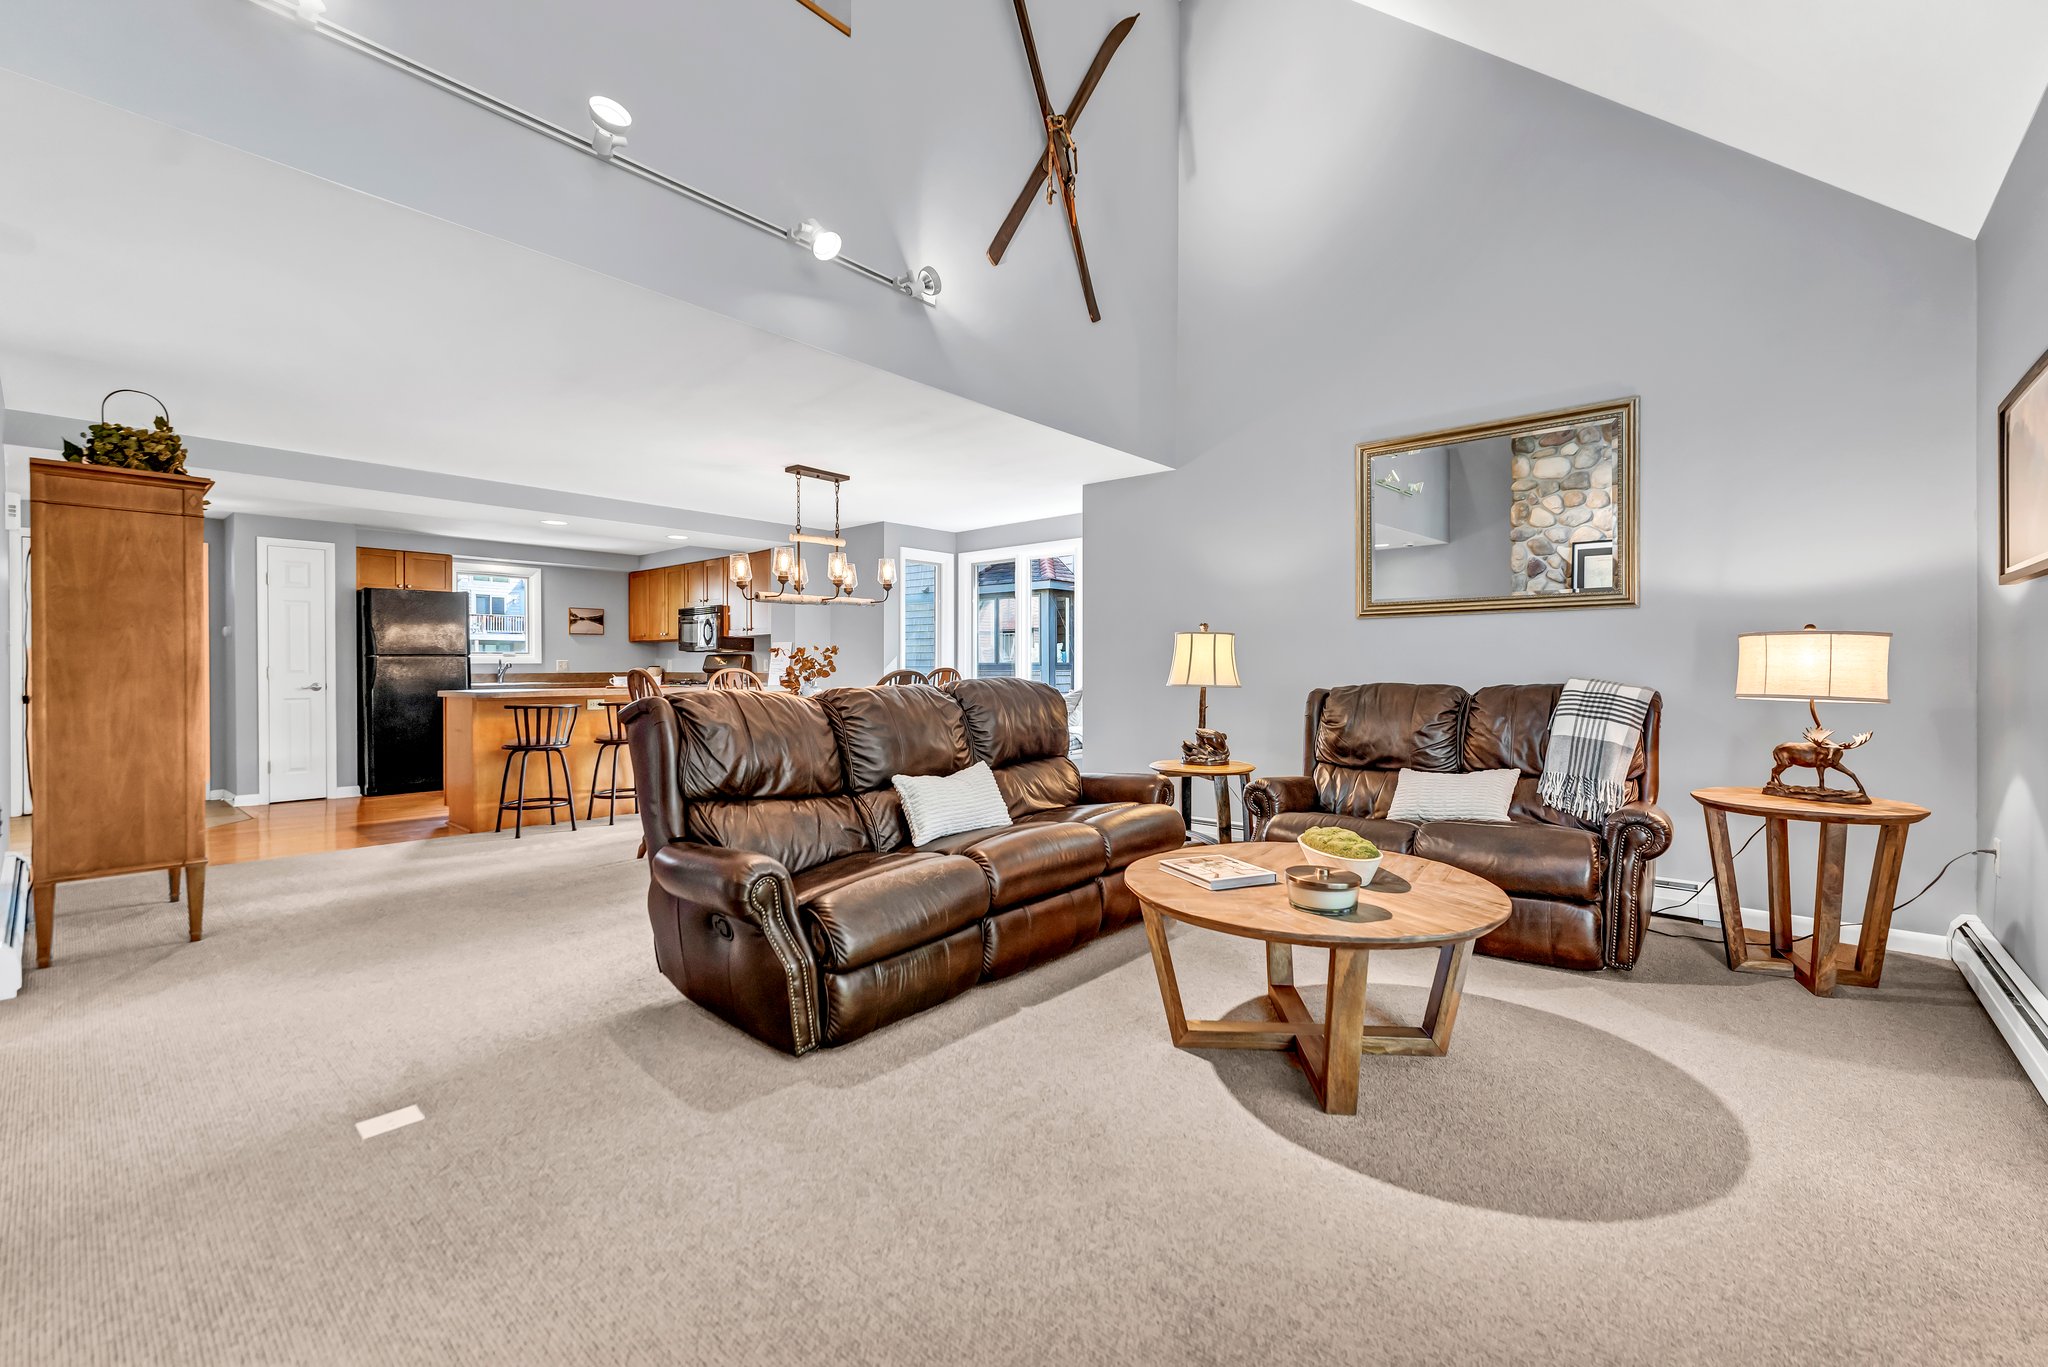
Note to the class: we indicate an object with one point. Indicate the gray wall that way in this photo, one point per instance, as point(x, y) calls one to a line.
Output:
point(910, 139)
point(583, 579)
point(1372, 220)
point(2012, 754)
point(568, 578)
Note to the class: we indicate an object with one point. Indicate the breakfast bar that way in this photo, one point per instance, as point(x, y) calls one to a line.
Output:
point(476, 724)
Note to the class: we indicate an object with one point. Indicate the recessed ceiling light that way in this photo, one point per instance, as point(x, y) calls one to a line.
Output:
point(677, 536)
point(552, 522)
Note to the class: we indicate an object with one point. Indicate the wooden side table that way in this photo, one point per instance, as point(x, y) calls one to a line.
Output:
point(1818, 961)
point(1222, 773)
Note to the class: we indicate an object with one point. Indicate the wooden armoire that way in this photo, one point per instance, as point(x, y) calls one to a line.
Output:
point(117, 680)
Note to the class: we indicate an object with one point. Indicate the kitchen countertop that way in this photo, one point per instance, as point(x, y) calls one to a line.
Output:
point(562, 691)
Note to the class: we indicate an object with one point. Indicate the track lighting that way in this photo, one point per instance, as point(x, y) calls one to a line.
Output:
point(922, 285)
point(608, 124)
point(822, 241)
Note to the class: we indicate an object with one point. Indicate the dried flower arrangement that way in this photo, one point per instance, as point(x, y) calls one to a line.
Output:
point(805, 668)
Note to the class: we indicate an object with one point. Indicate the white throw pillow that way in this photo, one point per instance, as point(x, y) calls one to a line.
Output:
point(966, 801)
point(1480, 796)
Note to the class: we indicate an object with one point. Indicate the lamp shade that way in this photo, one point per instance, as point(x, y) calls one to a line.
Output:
point(1821, 666)
point(1205, 659)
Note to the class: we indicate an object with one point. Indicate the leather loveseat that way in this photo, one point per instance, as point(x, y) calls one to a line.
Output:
point(1581, 892)
point(786, 897)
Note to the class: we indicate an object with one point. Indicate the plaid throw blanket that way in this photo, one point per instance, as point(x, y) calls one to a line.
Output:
point(1593, 736)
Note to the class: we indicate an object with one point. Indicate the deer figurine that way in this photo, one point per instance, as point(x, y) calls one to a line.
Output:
point(1819, 753)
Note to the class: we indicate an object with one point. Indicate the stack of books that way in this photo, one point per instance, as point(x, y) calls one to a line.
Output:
point(1218, 872)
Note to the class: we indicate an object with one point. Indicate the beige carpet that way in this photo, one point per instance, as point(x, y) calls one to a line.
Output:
point(1676, 1166)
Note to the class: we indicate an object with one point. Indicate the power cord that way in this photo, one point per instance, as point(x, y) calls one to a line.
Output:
point(1896, 907)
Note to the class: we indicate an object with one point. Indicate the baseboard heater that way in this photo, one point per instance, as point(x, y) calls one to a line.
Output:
point(14, 918)
point(2010, 997)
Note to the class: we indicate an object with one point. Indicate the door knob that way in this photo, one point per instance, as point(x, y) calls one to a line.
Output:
point(316, 687)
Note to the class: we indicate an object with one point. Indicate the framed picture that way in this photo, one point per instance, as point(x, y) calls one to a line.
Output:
point(1593, 566)
point(586, 621)
point(2023, 478)
point(837, 13)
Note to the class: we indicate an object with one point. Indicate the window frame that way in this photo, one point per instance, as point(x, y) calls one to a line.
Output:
point(944, 623)
point(536, 619)
point(1020, 556)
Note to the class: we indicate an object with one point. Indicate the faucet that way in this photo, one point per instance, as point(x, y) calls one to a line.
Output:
point(502, 666)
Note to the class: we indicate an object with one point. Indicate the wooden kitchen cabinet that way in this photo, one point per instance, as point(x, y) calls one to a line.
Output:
point(378, 568)
point(652, 597)
point(425, 570)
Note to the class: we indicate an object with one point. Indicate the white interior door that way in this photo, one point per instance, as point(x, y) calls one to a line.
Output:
point(297, 652)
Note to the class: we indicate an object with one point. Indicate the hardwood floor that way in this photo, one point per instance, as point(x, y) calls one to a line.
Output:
point(286, 828)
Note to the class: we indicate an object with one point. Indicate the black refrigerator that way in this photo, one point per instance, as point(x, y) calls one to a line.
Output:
point(410, 645)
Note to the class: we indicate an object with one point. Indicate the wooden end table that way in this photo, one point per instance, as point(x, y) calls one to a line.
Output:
point(1412, 904)
point(1820, 960)
point(1222, 773)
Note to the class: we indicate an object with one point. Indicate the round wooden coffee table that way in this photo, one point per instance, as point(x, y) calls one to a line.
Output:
point(1412, 904)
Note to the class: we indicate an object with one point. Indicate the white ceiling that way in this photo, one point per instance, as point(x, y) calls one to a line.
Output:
point(273, 308)
point(1917, 104)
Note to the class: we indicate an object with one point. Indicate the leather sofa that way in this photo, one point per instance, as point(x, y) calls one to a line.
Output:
point(1581, 892)
point(786, 897)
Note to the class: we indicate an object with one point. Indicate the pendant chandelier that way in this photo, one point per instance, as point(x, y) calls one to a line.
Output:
point(792, 577)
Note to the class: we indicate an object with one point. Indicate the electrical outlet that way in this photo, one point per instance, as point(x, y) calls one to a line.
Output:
point(561, 666)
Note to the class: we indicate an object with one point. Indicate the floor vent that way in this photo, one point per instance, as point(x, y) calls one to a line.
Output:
point(2010, 997)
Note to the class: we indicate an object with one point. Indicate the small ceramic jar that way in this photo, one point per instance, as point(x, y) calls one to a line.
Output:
point(1325, 891)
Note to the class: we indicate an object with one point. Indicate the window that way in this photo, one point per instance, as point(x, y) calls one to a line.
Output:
point(927, 622)
point(1037, 588)
point(504, 612)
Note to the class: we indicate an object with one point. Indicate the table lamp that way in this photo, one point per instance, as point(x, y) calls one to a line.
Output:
point(1815, 666)
point(1204, 659)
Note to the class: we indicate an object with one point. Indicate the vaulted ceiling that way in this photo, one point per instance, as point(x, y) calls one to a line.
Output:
point(1917, 104)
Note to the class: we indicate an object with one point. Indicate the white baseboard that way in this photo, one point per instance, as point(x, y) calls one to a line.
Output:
point(1707, 912)
point(219, 795)
point(348, 790)
point(242, 799)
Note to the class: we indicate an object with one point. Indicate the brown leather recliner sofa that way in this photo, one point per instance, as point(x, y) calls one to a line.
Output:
point(786, 897)
point(1581, 893)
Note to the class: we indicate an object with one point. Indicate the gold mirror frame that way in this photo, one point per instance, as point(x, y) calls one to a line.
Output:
point(1625, 504)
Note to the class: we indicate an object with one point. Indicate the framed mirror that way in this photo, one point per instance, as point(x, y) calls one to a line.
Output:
point(1534, 512)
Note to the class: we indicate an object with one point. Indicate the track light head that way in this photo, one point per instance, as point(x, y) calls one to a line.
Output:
point(308, 12)
point(822, 242)
point(608, 124)
point(922, 284)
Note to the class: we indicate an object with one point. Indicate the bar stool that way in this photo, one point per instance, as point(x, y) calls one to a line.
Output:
point(543, 729)
point(609, 744)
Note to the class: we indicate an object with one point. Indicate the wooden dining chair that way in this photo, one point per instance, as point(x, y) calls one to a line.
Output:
point(746, 680)
point(901, 676)
point(643, 683)
point(944, 674)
